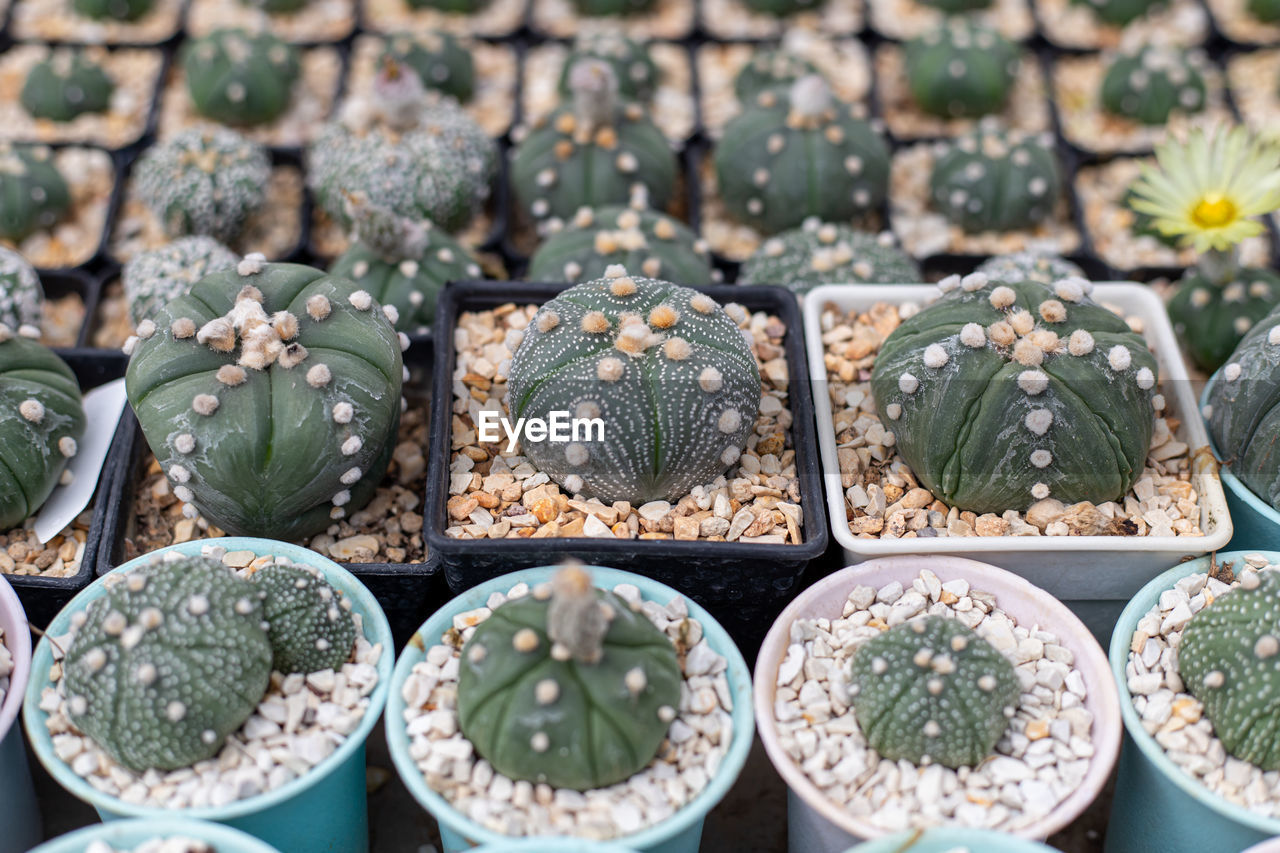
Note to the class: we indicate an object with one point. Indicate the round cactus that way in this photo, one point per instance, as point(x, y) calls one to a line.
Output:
point(1267, 11)
point(1143, 224)
point(932, 691)
point(155, 278)
point(204, 180)
point(665, 370)
point(961, 70)
point(957, 7)
point(1228, 660)
point(33, 193)
point(240, 78)
point(270, 396)
point(310, 624)
point(642, 239)
point(113, 10)
point(568, 686)
point(276, 7)
point(828, 253)
point(788, 158)
point(634, 69)
point(41, 423)
point(1002, 394)
point(613, 8)
point(782, 7)
point(457, 7)
point(1029, 266)
point(1211, 318)
point(990, 181)
point(593, 152)
point(66, 85)
point(169, 661)
point(770, 70)
point(21, 296)
point(1118, 13)
point(439, 60)
point(1149, 85)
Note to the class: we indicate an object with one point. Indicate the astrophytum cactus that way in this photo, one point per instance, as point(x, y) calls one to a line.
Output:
point(568, 686)
point(113, 10)
point(769, 70)
point(1117, 13)
point(276, 7)
point(958, 7)
point(33, 193)
point(65, 85)
point(990, 181)
point(41, 424)
point(240, 78)
point(438, 58)
point(961, 70)
point(310, 623)
point(1211, 318)
point(932, 691)
point(782, 7)
point(1154, 82)
point(155, 278)
point(613, 8)
point(1267, 11)
point(634, 68)
point(171, 659)
point(828, 253)
point(21, 296)
point(1029, 266)
point(663, 367)
point(270, 396)
point(457, 7)
point(1000, 394)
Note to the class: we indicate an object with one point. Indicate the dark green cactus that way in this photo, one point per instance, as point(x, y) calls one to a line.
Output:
point(441, 62)
point(276, 7)
point(65, 85)
point(1211, 318)
point(310, 624)
point(782, 7)
point(592, 152)
point(932, 691)
point(240, 78)
point(1001, 394)
point(1228, 660)
point(957, 7)
point(961, 70)
point(155, 278)
point(21, 296)
point(803, 154)
point(1151, 84)
point(41, 424)
point(613, 8)
point(33, 193)
point(457, 7)
point(828, 253)
point(770, 70)
point(640, 239)
point(662, 366)
point(204, 180)
point(635, 70)
point(1143, 224)
point(1267, 11)
point(270, 395)
point(568, 686)
point(990, 181)
point(1118, 13)
point(1029, 266)
point(112, 10)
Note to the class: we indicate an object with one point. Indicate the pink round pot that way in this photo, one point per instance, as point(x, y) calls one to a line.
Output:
point(19, 814)
point(818, 825)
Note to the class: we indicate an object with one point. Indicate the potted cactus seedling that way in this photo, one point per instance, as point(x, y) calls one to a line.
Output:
point(156, 835)
point(295, 21)
point(82, 22)
point(439, 60)
point(156, 278)
point(55, 201)
point(35, 192)
point(18, 808)
point(827, 253)
point(632, 63)
point(65, 86)
point(1103, 24)
point(21, 296)
point(240, 78)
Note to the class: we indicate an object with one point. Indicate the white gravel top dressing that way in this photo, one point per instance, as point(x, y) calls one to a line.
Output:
point(1040, 760)
point(697, 742)
point(1174, 717)
point(172, 844)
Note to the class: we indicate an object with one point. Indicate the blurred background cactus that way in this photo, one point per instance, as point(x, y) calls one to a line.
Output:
point(770, 70)
point(1154, 82)
point(155, 278)
point(439, 60)
point(65, 85)
point(633, 67)
point(240, 78)
point(113, 10)
point(633, 236)
point(992, 181)
point(828, 253)
point(1118, 13)
point(33, 194)
point(961, 70)
point(1029, 266)
point(21, 296)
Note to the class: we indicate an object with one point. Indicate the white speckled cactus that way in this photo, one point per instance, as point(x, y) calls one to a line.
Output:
point(1029, 266)
point(157, 277)
point(828, 253)
point(311, 627)
point(21, 296)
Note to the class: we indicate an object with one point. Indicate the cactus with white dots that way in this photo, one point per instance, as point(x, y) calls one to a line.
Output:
point(1229, 659)
point(1029, 266)
point(768, 70)
point(270, 396)
point(613, 8)
point(65, 85)
point(21, 296)
point(171, 659)
point(1000, 394)
point(310, 623)
point(828, 253)
point(1154, 82)
point(932, 691)
point(992, 181)
point(41, 424)
point(438, 58)
point(240, 78)
point(800, 153)
point(780, 8)
point(276, 7)
point(634, 68)
point(1118, 13)
point(664, 368)
point(33, 193)
point(1211, 318)
point(113, 10)
point(957, 7)
point(568, 686)
point(961, 70)
point(157, 277)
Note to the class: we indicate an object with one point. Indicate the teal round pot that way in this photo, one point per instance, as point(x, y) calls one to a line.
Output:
point(1255, 523)
point(19, 813)
point(325, 809)
point(680, 833)
point(1159, 807)
point(553, 845)
point(127, 834)
point(947, 840)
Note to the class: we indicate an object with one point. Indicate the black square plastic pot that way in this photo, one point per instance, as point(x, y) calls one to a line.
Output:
point(58, 284)
point(743, 585)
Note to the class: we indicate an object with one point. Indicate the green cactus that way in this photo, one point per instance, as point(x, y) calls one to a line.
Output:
point(642, 239)
point(1004, 393)
point(957, 7)
point(311, 627)
point(932, 691)
point(593, 152)
point(457, 7)
point(21, 296)
point(1227, 659)
point(992, 181)
point(155, 278)
point(276, 7)
point(1118, 13)
point(613, 8)
point(770, 70)
point(1211, 318)
point(240, 78)
point(1029, 266)
point(788, 158)
point(634, 69)
point(439, 59)
point(781, 8)
point(1151, 84)
point(828, 253)
point(270, 395)
point(33, 193)
point(169, 661)
point(1267, 11)
point(65, 85)
point(41, 424)
point(112, 10)
point(204, 180)
point(568, 686)
point(663, 367)
point(1143, 224)
point(961, 70)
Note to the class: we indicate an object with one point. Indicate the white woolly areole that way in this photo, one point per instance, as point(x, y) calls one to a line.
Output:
point(352, 446)
point(184, 443)
point(1119, 358)
point(1033, 382)
point(351, 476)
point(205, 404)
point(935, 356)
point(1232, 372)
point(949, 283)
point(731, 455)
point(343, 413)
point(973, 335)
point(610, 369)
point(1039, 421)
point(730, 420)
point(32, 410)
point(893, 410)
point(710, 380)
point(1041, 458)
point(576, 453)
point(1002, 297)
point(1039, 491)
point(1080, 343)
point(361, 300)
point(1071, 289)
point(1145, 378)
point(252, 264)
point(615, 271)
point(319, 376)
point(908, 383)
point(974, 281)
point(67, 446)
point(1273, 336)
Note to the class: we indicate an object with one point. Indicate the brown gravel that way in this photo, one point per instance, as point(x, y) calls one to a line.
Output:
point(90, 175)
point(319, 21)
point(1253, 77)
point(57, 20)
point(63, 317)
point(22, 554)
point(670, 19)
point(731, 19)
point(113, 326)
point(497, 18)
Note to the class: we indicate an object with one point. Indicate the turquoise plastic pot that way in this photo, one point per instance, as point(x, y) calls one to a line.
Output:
point(326, 809)
point(682, 832)
point(19, 812)
point(1255, 523)
point(1158, 807)
point(130, 833)
point(944, 840)
point(553, 845)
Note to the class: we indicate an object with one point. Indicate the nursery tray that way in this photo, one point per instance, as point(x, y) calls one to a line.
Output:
point(743, 585)
point(59, 284)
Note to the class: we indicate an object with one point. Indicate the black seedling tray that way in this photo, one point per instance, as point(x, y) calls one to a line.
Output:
point(58, 284)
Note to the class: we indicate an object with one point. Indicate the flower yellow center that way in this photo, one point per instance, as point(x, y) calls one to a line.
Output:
point(1213, 211)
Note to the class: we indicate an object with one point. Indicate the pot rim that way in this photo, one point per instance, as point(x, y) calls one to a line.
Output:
point(134, 830)
point(17, 639)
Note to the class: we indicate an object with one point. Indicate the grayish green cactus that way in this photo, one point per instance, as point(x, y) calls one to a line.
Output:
point(770, 70)
point(1267, 11)
point(168, 662)
point(782, 7)
point(1029, 266)
point(1154, 82)
point(1001, 394)
point(240, 78)
point(828, 253)
point(277, 7)
point(1118, 13)
point(21, 296)
point(992, 181)
point(613, 8)
point(310, 623)
point(958, 7)
point(932, 691)
point(1211, 317)
point(457, 7)
point(155, 278)
point(113, 10)
point(634, 237)
point(568, 686)
point(635, 70)
point(33, 193)
point(440, 60)
point(65, 85)
point(961, 70)
point(664, 368)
